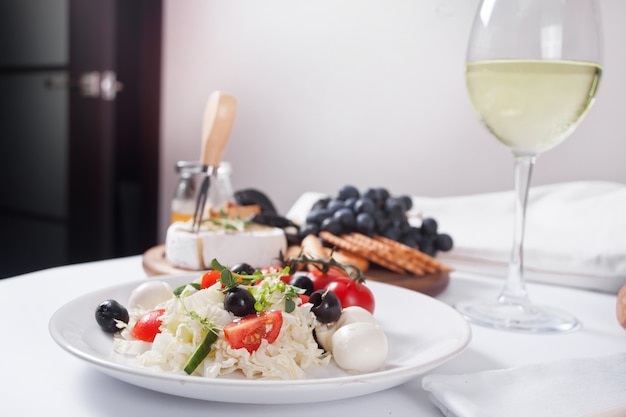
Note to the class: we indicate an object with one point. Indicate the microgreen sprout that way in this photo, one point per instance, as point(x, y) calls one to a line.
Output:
point(229, 223)
point(230, 279)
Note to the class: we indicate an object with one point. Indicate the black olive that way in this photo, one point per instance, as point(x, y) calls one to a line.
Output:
point(108, 312)
point(243, 269)
point(251, 196)
point(272, 219)
point(326, 306)
point(304, 282)
point(319, 345)
point(239, 301)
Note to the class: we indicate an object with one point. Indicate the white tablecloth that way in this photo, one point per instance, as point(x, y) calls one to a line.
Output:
point(37, 377)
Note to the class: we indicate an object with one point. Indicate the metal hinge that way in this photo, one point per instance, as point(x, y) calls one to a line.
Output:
point(92, 84)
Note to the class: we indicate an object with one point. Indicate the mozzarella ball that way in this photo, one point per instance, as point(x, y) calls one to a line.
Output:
point(360, 347)
point(323, 335)
point(355, 314)
point(150, 294)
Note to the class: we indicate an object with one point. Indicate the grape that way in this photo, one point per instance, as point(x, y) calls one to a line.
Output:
point(347, 192)
point(334, 205)
point(364, 205)
point(346, 218)
point(382, 194)
point(331, 225)
point(428, 247)
point(382, 220)
point(365, 223)
point(317, 216)
point(403, 225)
point(370, 193)
point(443, 242)
point(415, 233)
point(429, 227)
point(408, 240)
point(394, 206)
point(349, 203)
point(375, 212)
point(392, 232)
point(397, 216)
point(407, 201)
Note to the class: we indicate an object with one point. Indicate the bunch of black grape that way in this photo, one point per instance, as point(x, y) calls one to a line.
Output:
point(374, 212)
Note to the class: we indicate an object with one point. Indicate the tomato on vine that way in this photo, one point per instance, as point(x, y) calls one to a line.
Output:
point(274, 270)
point(321, 279)
point(352, 293)
point(209, 278)
point(345, 281)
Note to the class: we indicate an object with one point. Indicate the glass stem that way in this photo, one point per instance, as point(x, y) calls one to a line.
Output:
point(514, 291)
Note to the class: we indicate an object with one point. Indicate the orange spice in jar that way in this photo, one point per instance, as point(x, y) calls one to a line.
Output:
point(184, 198)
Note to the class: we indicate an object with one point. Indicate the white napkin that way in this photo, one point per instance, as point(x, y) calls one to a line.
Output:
point(575, 233)
point(565, 388)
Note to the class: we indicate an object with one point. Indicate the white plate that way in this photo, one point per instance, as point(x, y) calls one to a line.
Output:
point(422, 332)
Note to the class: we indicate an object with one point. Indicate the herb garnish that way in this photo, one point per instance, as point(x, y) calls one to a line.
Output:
point(229, 223)
point(263, 292)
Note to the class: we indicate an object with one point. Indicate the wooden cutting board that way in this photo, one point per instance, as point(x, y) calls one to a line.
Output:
point(155, 264)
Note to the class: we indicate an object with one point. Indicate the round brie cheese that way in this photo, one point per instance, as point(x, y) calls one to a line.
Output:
point(257, 245)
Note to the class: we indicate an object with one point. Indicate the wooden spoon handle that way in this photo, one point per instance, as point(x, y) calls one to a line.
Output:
point(219, 117)
point(621, 306)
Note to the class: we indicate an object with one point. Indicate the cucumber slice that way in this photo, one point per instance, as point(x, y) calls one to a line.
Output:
point(201, 352)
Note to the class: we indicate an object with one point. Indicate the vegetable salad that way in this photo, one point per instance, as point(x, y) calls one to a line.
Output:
point(199, 336)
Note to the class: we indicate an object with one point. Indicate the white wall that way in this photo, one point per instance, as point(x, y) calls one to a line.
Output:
point(367, 92)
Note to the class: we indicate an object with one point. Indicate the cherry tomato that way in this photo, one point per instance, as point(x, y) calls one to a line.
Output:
point(148, 326)
point(209, 278)
point(352, 293)
point(321, 279)
point(249, 331)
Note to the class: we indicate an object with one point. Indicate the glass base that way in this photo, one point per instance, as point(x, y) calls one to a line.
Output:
point(525, 317)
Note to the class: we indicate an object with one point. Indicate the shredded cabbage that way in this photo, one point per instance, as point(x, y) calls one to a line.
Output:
point(185, 324)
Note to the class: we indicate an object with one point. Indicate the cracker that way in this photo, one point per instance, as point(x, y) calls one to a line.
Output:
point(390, 253)
point(431, 264)
point(361, 250)
point(387, 253)
point(312, 246)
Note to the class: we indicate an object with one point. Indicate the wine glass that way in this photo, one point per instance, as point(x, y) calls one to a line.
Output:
point(533, 69)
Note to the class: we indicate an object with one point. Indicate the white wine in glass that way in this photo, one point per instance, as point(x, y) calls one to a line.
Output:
point(533, 70)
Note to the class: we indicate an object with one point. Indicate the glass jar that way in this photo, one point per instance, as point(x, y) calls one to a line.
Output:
point(184, 198)
point(185, 194)
point(221, 189)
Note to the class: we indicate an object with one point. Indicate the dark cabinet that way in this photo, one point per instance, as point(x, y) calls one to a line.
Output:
point(78, 165)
